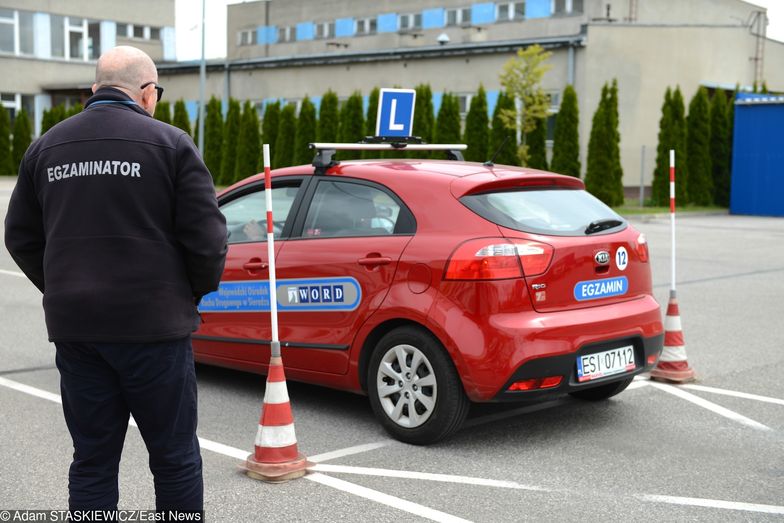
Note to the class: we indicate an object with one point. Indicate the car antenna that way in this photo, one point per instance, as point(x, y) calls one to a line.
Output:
point(491, 161)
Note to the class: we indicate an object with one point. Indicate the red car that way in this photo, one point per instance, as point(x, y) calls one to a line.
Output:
point(430, 284)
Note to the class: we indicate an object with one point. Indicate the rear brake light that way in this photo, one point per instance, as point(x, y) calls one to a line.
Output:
point(484, 259)
point(535, 256)
point(642, 248)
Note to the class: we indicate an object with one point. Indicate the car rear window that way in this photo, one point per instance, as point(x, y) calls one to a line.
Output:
point(557, 212)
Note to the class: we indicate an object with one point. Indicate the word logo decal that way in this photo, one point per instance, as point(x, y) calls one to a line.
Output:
point(319, 294)
point(595, 289)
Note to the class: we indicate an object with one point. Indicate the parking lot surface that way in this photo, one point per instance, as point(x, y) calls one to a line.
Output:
point(711, 451)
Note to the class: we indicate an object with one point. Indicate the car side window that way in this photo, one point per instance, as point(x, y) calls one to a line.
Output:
point(246, 216)
point(340, 209)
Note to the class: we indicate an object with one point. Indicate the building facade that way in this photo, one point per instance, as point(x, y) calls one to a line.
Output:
point(48, 48)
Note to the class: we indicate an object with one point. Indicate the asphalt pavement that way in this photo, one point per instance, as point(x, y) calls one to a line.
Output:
point(707, 452)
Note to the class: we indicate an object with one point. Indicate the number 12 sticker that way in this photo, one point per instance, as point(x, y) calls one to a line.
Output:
point(621, 258)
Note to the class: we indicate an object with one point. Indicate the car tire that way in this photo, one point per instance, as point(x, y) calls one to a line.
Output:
point(602, 392)
point(410, 370)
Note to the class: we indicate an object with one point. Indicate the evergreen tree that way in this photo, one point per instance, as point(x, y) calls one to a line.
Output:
point(661, 174)
point(283, 156)
point(447, 123)
point(731, 133)
point(424, 122)
point(678, 110)
point(352, 123)
point(370, 121)
point(47, 120)
point(507, 155)
point(719, 149)
point(328, 120)
point(566, 142)
point(537, 145)
point(248, 143)
point(23, 136)
point(601, 177)
point(700, 181)
point(59, 114)
point(615, 143)
point(230, 132)
point(213, 137)
point(163, 112)
point(476, 128)
point(306, 133)
point(74, 109)
point(181, 118)
point(6, 158)
point(269, 129)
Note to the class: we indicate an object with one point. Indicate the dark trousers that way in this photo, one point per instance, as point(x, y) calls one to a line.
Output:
point(102, 384)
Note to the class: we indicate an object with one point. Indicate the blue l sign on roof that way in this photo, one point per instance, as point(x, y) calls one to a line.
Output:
point(395, 115)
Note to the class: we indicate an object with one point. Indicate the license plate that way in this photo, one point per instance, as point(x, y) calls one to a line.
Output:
point(607, 363)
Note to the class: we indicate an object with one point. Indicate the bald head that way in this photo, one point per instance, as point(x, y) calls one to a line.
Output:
point(125, 66)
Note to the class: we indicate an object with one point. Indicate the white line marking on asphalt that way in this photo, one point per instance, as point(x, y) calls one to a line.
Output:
point(718, 409)
point(12, 273)
point(512, 413)
point(446, 478)
point(27, 389)
point(385, 499)
point(326, 456)
point(715, 503)
point(736, 394)
point(636, 384)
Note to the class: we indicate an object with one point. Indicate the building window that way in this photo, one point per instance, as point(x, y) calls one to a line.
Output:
point(7, 30)
point(458, 16)
point(366, 26)
point(155, 33)
point(138, 31)
point(246, 37)
point(285, 34)
point(325, 30)
point(410, 21)
point(464, 102)
point(510, 11)
point(77, 42)
point(26, 45)
point(93, 39)
point(566, 7)
point(122, 30)
point(57, 25)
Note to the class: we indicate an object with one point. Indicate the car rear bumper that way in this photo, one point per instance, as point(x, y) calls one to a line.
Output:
point(565, 365)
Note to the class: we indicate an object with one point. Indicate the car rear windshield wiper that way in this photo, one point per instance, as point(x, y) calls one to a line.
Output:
point(601, 225)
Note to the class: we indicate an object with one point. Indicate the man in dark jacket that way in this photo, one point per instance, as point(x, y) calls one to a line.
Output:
point(114, 218)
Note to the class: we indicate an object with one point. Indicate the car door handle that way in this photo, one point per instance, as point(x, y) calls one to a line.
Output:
point(255, 264)
point(374, 261)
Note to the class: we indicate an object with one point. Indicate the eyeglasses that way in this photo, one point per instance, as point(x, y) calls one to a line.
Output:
point(158, 88)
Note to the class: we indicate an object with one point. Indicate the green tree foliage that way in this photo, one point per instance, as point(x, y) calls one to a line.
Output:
point(566, 142)
point(163, 112)
point(60, 113)
point(700, 182)
point(447, 123)
point(503, 139)
point(424, 122)
point(213, 137)
point(248, 143)
point(601, 178)
point(731, 128)
point(719, 149)
point(283, 155)
point(231, 131)
point(522, 77)
point(328, 120)
point(269, 129)
point(23, 136)
point(537, 145)
point(477, 132)
point(615, 142)
point(352, 123)
point(661, 177)
point(6, 158)
point(679, 144)
point(370, 121)
point(306, 133)
point(181, 118)
point(74, 109)
point(47, 120)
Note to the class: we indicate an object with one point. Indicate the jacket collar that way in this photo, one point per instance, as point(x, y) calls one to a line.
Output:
point(115, 98)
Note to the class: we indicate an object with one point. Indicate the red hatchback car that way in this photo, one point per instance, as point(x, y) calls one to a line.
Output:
point(431, 284)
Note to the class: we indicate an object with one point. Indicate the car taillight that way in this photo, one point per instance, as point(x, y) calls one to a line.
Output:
point(536, 383)
point(535, 256)
point(484, 259)
point(498, 258)
point(642, 248)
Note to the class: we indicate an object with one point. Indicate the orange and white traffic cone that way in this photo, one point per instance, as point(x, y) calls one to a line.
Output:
point(673, 365)
point(276, 457)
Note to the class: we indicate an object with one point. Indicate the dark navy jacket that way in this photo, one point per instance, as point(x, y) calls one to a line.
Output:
point(114, 218)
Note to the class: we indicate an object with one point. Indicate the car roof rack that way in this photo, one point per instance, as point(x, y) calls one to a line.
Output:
point(325, 152)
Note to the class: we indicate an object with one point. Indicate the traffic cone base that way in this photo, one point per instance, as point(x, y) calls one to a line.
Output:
point(276, 458)
point(673, 365)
